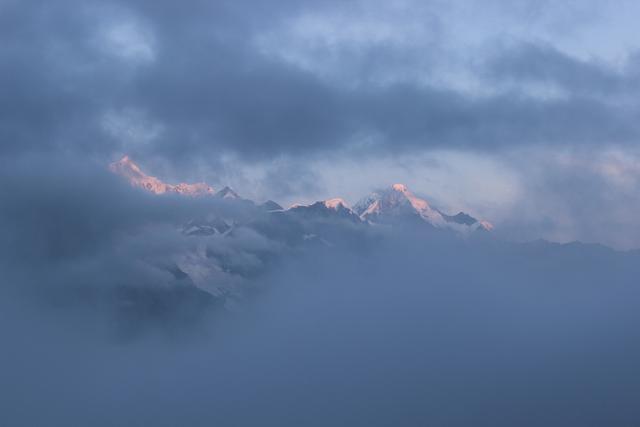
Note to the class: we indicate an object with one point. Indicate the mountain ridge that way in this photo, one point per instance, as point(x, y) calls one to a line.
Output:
point(394, 204)
point(126, 168)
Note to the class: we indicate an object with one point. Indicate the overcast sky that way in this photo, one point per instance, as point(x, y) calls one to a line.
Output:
point(524, 113)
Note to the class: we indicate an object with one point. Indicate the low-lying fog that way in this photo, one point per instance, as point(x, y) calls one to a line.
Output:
point(408, 330)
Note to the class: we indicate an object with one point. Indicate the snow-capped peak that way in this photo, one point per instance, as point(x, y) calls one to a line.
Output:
point(485, 225)
point(400, 187)
point(329, 208)
point(335, 203)
point(126, 168)
point(396, 202)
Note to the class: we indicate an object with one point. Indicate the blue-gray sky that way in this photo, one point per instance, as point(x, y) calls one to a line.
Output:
point(522, 112)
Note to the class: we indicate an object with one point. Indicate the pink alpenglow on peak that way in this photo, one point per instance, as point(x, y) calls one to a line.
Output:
point(396, 201)
point(400, 187)
point(485, 225)
point(126, 168)
point(335, 203)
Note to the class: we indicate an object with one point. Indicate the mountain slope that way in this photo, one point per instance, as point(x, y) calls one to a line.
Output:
point(126, 168)
point(227, 193)
point(331, 208)
point(397, 204)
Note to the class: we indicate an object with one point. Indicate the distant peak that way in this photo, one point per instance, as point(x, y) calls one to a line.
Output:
point(270, 205)
point(486, 225)
point(460, 218)
point(227, 193)
point(335, 203)
point(396, 201)
point(125, 161)
point(126, 168)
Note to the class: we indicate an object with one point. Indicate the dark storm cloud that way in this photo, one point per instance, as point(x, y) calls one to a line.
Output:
point(529, 62)
point(429, 118)
point(206, 83)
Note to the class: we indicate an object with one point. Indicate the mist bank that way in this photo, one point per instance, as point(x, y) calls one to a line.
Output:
point(396, 326)
point(408, 332)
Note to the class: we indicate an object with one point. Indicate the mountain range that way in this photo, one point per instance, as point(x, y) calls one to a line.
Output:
point(223, 247)
point(238, 239)
point(393, 205)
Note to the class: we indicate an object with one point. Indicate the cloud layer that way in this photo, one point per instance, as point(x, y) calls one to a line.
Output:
point(409, 331)
point(232, 91)
point(211, 79)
